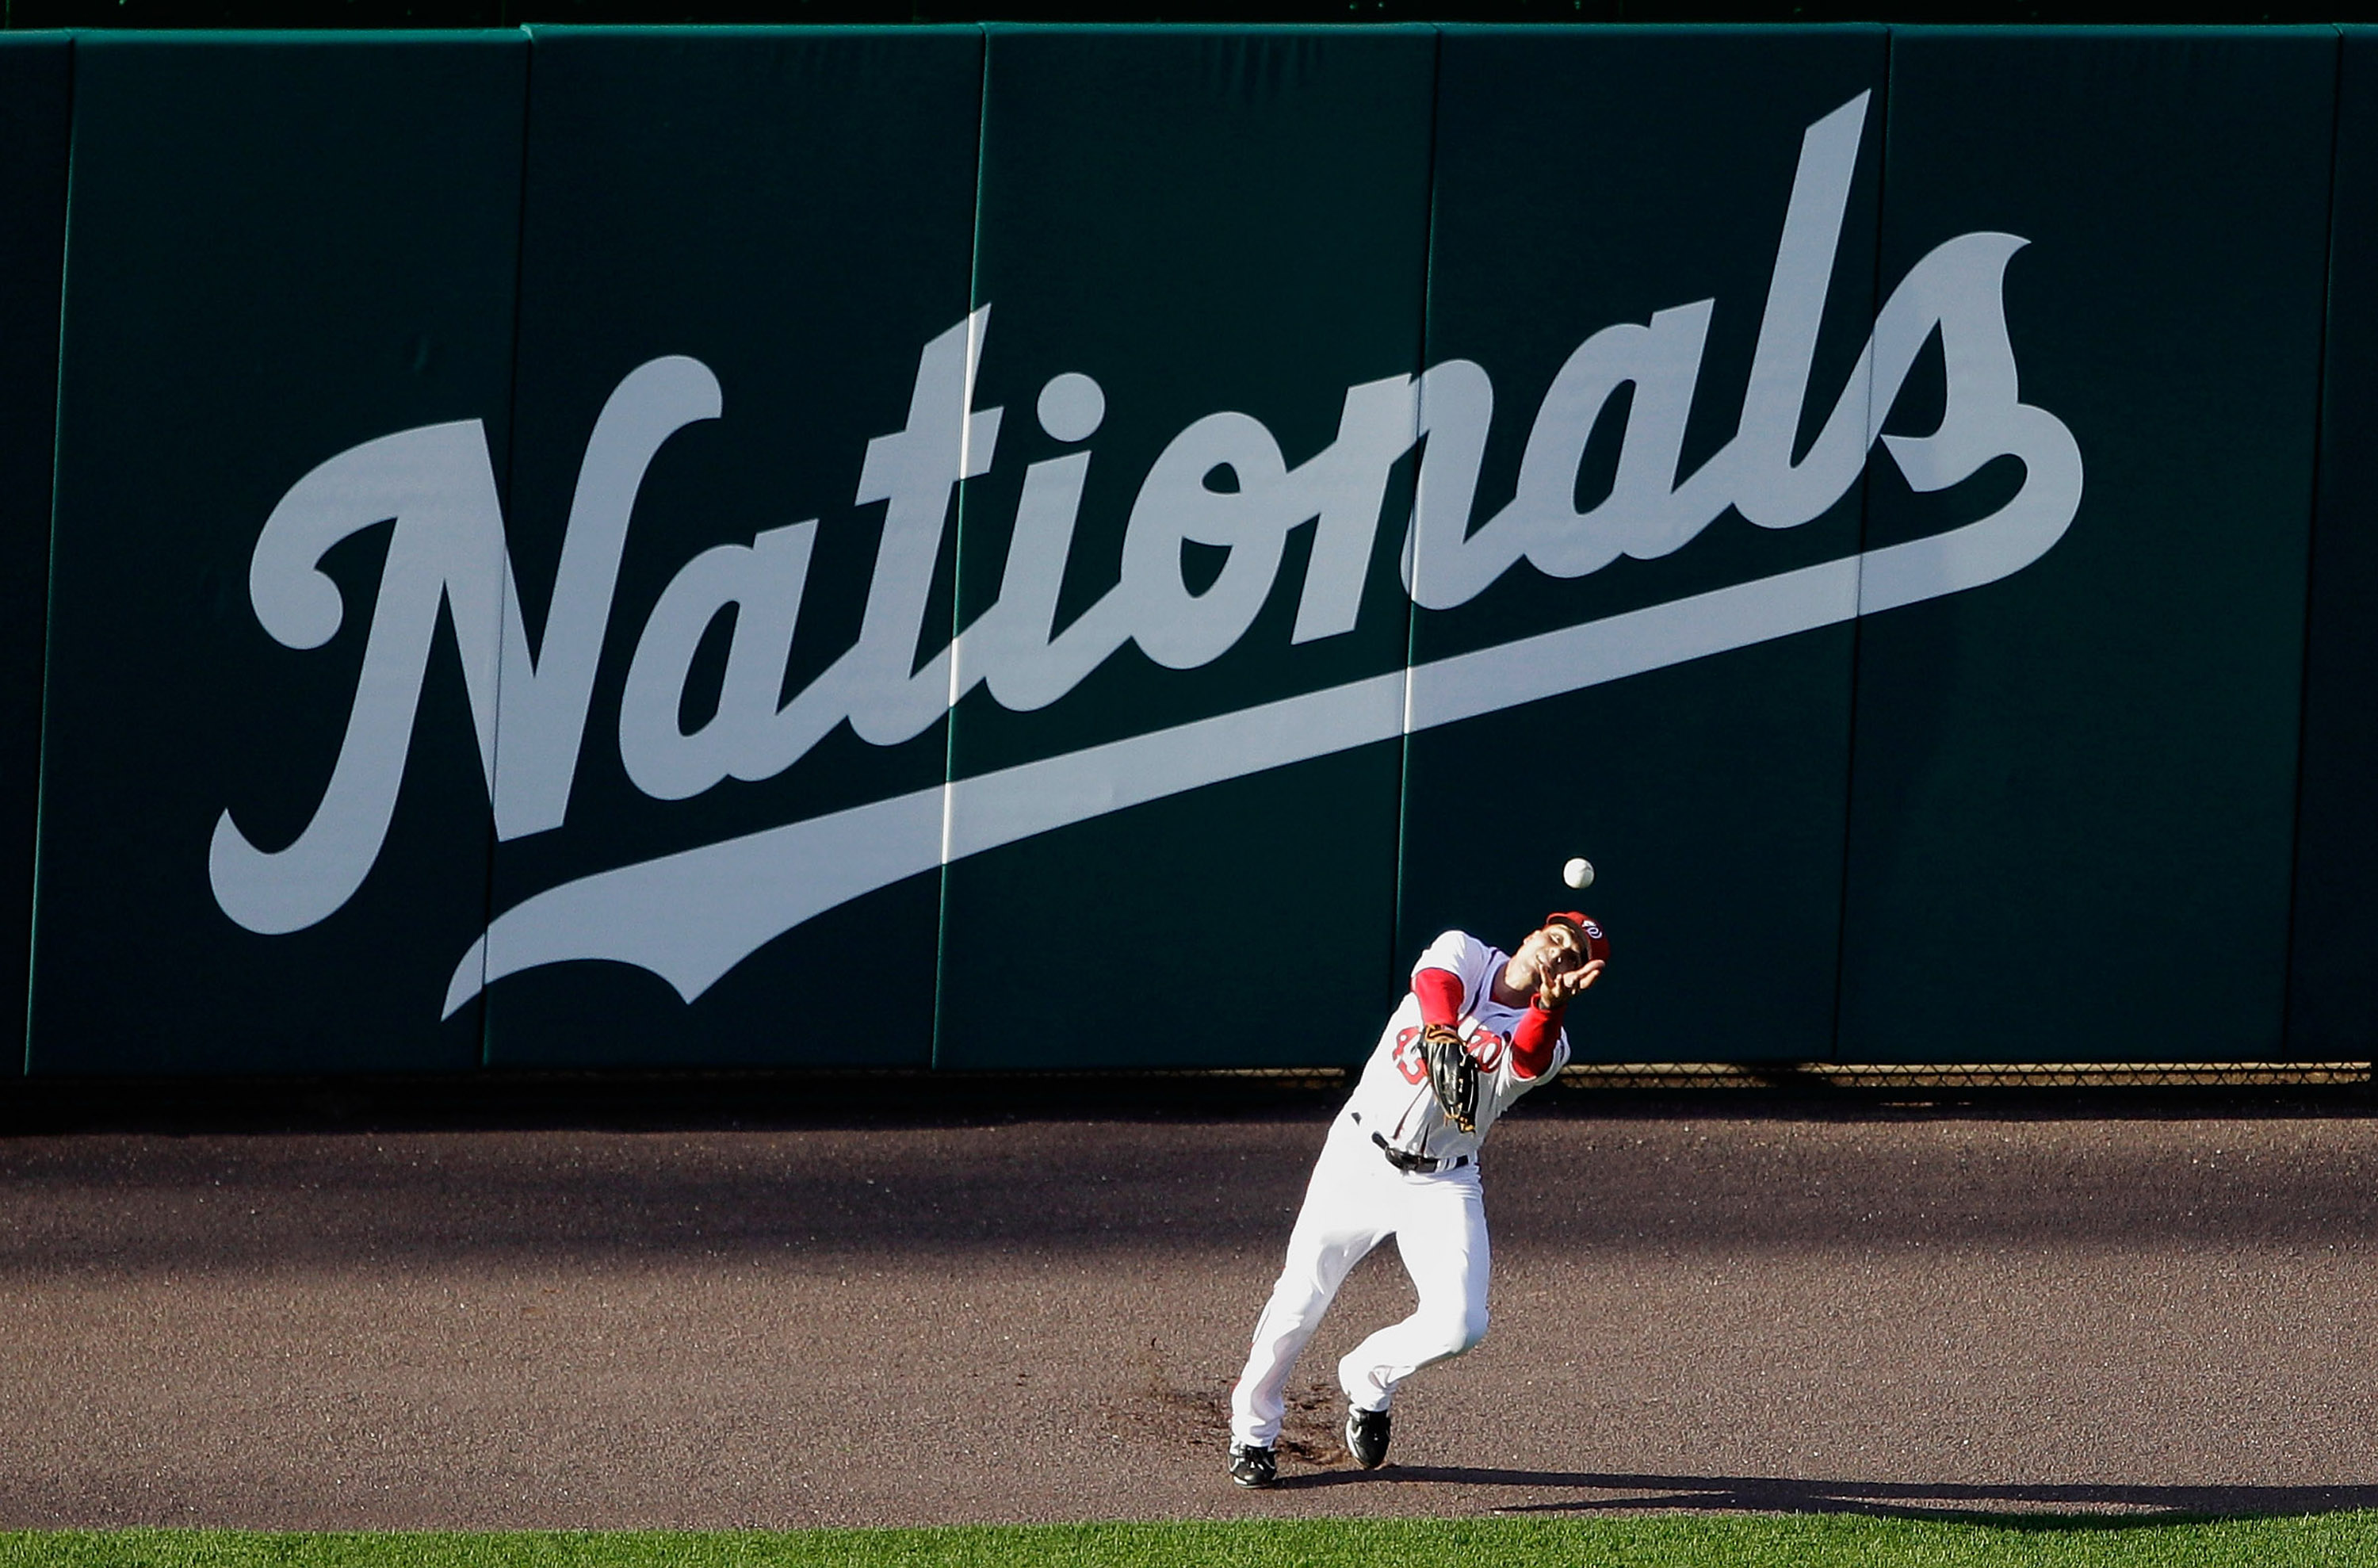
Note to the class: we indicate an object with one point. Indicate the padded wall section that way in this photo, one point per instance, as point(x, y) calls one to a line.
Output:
point(281, 252)
point(2075, 788)
point(2334, 959)
point(33, 84)
point(951, 504)
point(737, 250)
point(1194, 243)
point(1611, 279)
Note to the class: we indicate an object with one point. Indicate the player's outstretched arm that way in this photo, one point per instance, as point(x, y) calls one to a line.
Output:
point(1558, 991)
point(1537, 1040)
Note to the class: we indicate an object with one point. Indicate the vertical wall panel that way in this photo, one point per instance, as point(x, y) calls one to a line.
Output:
point(33, 84)
point(2074, 788)
point(279, 249)
point(1225, 226)
point(2334, 959)
point(1603, 198)
point(793, 210)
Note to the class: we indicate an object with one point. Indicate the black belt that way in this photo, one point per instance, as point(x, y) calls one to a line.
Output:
point(1417, 1165)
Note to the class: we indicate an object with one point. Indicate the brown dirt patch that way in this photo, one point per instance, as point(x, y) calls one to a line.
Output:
point(1024, 1317)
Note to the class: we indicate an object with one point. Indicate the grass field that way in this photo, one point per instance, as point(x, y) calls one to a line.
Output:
point(1662, 1541)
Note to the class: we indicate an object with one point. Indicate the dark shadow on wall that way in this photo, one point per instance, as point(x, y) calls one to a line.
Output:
point(379, 14)
point(852, 1100)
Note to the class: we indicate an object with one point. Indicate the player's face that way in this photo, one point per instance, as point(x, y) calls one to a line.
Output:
point(1552, 950)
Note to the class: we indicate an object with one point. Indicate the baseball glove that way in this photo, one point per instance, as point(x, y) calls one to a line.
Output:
point(1452, 1074)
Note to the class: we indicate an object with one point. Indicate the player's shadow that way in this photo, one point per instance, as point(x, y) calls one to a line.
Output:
point(2042, 1506)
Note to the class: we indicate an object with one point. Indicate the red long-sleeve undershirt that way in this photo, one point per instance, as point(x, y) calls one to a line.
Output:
point(1439, 991)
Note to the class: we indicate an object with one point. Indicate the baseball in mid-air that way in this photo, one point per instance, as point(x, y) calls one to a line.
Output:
point(1578, 873)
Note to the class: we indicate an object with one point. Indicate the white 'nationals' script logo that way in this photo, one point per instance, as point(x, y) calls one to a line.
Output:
point(690, 917)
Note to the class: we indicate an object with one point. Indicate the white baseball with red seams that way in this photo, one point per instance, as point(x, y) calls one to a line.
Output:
point(1357, 1198)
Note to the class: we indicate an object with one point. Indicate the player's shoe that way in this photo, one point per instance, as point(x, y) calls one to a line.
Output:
point(1253, 1466)
point(1367, 1437)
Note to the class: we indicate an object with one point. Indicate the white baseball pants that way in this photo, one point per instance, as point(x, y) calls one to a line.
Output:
point(1356, 1200)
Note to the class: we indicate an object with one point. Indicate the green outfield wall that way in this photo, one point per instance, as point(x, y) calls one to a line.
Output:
point(1041, 547)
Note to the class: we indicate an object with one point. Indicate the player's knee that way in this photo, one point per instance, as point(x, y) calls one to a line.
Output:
point(1460, 1331)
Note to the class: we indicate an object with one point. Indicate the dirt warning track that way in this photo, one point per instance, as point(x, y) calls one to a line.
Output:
point(992, 1313)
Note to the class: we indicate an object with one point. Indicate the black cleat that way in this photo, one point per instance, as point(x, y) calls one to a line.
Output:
point(1367, 1437)
point(1253, 1467)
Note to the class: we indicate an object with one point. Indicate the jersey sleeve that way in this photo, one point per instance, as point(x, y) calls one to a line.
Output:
point(1439, 991)
point(1536, 1043)
point(1466, 958)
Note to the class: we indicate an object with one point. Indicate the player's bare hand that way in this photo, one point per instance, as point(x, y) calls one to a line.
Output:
point(1559, 990)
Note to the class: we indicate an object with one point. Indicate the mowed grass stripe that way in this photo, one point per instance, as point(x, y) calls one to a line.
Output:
point(1647, 1542)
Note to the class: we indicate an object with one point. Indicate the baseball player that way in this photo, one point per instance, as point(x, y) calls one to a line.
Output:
point(1480, 1027)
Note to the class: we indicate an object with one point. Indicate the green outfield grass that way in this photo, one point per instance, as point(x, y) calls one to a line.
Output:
point(1657, 1541)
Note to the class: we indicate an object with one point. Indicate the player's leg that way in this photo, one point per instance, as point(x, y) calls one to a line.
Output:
point(1441, 1232)
point(1341, 1222)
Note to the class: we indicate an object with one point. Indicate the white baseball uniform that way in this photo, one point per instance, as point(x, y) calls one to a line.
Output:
point(1358, 1198)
